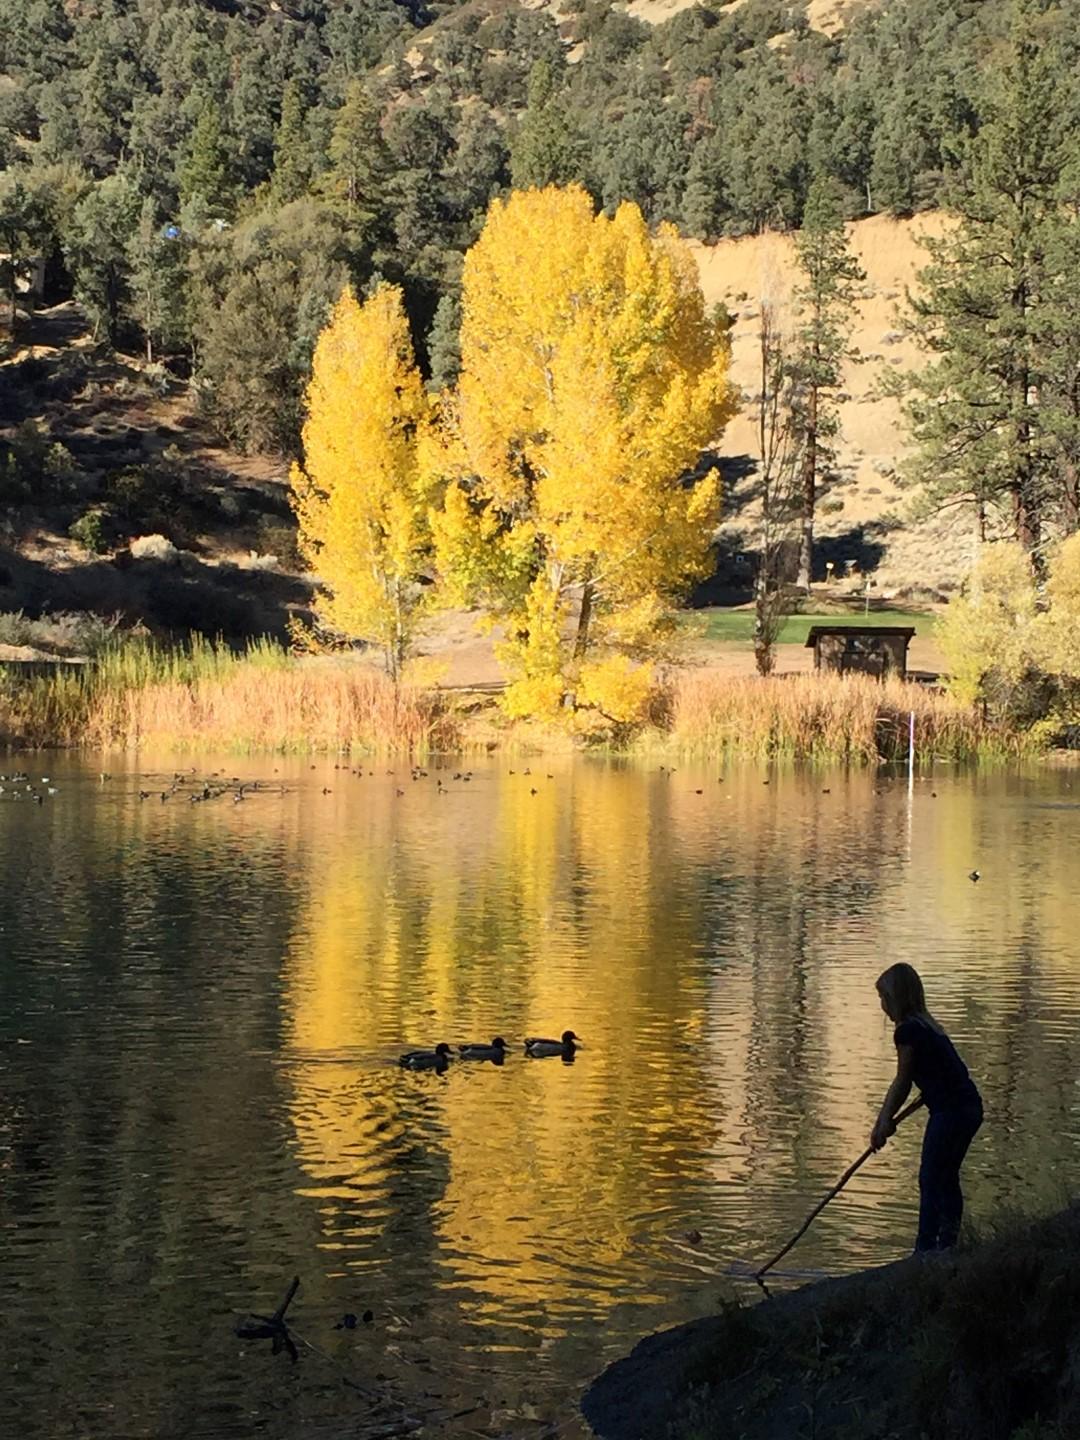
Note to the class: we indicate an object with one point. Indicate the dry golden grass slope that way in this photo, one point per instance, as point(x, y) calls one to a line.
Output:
point(825, 15)
point(743, 273)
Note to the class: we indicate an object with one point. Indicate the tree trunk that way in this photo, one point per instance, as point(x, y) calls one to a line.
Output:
point(1026, 517)
point(581, 639)
point(1025, 501)
point(1070, 497)
point(809, 494)
point(764, 650)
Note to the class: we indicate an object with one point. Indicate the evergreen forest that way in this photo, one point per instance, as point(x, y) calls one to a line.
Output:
point(205, 178)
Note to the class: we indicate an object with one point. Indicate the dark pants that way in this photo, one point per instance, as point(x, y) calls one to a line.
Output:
point(948, 1135)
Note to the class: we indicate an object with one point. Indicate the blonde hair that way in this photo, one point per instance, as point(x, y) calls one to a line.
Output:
point(902, 990)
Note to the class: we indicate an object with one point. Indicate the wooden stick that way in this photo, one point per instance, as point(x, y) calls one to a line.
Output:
point(271, 1327)
point(279, 1314)
point(848, 1173)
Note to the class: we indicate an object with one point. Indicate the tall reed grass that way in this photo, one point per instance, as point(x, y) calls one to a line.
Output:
point(204, 696)
point(828, 718)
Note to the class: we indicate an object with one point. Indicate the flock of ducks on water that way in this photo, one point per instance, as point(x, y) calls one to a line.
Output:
point(199, 789)
point(214, 787)
point(537, 1047)
point(20, 787)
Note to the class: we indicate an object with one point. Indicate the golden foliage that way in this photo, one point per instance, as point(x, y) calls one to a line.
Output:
point(619, 689)
point(592, 380)
point(1060, 625)
point(362, 498)
point(990, 630)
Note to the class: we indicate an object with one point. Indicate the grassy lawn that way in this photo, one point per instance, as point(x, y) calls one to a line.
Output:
point(736, 626)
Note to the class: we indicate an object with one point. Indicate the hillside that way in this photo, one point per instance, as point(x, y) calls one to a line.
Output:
point(195, 184)
point(826, 16)
point(145, 460)
point(121, 502)
point(866, 514)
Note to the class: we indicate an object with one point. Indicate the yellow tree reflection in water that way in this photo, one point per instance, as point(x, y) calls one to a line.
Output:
point(716, 945)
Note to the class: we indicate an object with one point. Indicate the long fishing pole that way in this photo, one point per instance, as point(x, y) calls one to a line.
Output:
point(848, 1173)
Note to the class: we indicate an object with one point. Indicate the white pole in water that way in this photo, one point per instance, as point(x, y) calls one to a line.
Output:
point(911, 752)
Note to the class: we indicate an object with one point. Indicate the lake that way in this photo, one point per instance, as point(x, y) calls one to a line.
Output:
point(201, 1006)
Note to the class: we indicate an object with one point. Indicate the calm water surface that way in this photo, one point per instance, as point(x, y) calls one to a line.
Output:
point(201, 1006)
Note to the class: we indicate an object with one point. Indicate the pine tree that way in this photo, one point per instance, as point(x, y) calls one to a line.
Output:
point(96, 242)
point(898, 154)
point(361, 498)
point(825, 301)
point(359, 160)
point(292, 157)
point(592, 380)
point(997, 307)
point(546, 150)
point(205, 178)
point(444, 343)
point(156, 255)
point(704, 206)
point(23, 230)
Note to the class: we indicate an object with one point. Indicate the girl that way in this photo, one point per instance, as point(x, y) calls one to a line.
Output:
point(926, 1057)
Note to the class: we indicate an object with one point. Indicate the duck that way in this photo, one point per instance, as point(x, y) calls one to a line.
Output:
point(436, 1059)
point(495, 1051)
point(538, 1047)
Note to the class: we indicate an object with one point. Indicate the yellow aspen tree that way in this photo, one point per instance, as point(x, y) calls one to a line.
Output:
point(1059, 623)
point(363, 496)
point(592, 380)
point(989, 634)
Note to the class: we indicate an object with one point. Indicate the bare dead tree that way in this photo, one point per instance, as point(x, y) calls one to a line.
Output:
point(780, 448)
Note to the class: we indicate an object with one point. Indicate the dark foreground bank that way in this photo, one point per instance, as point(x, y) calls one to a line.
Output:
point(982, 1345)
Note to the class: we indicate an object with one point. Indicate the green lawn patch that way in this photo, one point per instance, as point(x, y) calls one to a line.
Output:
point(736, 627)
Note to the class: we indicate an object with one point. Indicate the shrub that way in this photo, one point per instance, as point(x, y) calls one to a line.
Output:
point(619, 689)
point(65, 633)
point(90, 530)
point(15, 628)
point(128, 490)
point(535, 697)
point(154, 547)
point(22, 462)
point(278, 538)
point(59, 471)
